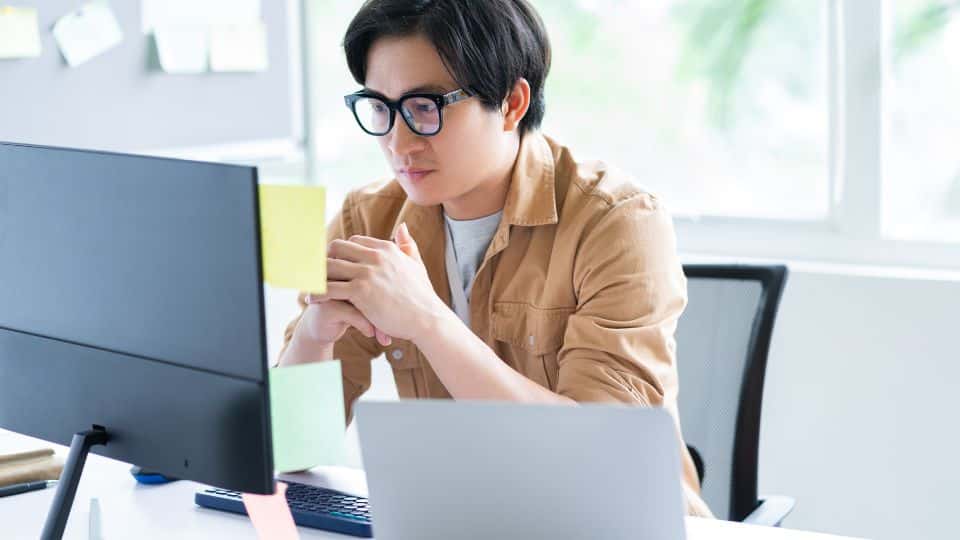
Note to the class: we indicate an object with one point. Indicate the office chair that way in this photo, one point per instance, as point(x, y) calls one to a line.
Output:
point(723, 339)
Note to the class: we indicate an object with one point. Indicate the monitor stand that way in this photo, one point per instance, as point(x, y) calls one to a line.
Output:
point(69, 478)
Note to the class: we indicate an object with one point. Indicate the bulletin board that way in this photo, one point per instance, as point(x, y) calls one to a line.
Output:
point(122, 100)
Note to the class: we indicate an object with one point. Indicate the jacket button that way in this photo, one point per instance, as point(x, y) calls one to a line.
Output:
point(397, 354)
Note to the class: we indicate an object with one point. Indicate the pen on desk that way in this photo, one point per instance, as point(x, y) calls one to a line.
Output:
point(25, 487)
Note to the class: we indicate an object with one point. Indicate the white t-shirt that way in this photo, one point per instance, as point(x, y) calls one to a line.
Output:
point(467, 243)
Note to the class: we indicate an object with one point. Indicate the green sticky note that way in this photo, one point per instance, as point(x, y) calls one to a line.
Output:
point(19, 32)
point(293, 237)
point(306, 415)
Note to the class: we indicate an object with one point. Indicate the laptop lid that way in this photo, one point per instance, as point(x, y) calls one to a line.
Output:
point(442, 469)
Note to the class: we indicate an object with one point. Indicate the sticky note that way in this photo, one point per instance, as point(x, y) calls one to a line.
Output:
point(182, 49)
point(238, 47)
point(293, 237)
point(306, 415)
point(271, 515)
point(87, 32)
point(19, 33)
point(154, 13)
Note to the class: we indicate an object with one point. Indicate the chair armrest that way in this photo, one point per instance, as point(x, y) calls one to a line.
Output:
point(771, 511)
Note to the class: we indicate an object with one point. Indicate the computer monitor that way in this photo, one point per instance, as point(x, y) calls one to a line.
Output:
point(132, 317)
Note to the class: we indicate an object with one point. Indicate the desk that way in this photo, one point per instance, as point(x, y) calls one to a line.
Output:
point(131, 510)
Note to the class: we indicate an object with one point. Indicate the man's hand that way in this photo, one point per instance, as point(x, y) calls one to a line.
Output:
point(386, 281)
point(323, 323)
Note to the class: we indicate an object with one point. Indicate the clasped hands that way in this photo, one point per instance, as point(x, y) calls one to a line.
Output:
point(379, 287)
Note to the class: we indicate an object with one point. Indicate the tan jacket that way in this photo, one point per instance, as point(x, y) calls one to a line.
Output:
point(580, 289)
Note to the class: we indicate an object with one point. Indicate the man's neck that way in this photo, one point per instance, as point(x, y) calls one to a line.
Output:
point(488, 197)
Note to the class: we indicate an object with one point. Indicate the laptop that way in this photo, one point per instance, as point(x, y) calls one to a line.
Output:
point(443, 469)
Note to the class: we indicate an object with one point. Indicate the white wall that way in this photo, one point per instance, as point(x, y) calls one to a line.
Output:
point(860, 405)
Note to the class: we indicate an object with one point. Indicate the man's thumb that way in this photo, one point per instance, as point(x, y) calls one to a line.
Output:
point(407, 244)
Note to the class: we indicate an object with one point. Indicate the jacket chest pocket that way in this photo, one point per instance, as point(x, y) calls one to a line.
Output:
point(533, 336)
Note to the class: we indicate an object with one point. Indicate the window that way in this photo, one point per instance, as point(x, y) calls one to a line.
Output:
point(343, 157)
point(716, 105)
point(774, 129)
point(921, 158)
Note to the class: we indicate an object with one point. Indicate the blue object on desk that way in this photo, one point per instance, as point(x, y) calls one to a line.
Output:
point(311, 506)
point(149, 477)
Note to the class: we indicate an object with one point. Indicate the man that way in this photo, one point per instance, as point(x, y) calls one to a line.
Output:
point(493, 266)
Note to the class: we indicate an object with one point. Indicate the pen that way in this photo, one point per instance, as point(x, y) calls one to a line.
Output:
point(25, 487)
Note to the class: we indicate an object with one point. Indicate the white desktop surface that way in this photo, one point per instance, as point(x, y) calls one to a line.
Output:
point(131, 510)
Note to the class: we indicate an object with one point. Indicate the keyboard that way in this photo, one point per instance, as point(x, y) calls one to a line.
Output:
point(311, 506)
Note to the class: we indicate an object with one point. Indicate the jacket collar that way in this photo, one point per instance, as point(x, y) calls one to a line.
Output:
point(531, 201)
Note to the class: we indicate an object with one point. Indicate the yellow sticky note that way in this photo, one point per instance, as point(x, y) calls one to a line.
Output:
point(306, 415)
point(19, 32)
point(293, 237)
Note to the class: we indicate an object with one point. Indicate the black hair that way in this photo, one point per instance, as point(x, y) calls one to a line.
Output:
point(486, 45)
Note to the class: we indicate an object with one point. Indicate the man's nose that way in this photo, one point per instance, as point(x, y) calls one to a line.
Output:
point(402, 140)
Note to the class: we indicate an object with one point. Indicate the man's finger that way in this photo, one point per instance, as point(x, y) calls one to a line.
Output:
point(407, 244)
point(352, 316)
point(336, 290)
point(382, 338)
point(370, 242)
point(350, 251)
point(342, 270)
point(355, 318)
point(315, 298)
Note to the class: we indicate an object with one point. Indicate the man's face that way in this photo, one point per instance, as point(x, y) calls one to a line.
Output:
point(468, 150)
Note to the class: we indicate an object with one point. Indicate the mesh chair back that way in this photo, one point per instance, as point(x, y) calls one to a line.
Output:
point(722, 342)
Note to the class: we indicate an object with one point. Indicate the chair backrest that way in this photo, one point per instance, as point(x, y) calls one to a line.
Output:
point(723, 339)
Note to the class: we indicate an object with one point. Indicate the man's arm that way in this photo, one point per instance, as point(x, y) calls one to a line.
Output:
point(619, 344)
point(469, 369)
point(354, 350)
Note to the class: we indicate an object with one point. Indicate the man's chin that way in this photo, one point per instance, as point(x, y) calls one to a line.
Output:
point(423, 199)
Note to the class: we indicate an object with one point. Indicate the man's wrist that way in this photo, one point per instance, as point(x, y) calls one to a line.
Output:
point(303, 349)
point(430, 325)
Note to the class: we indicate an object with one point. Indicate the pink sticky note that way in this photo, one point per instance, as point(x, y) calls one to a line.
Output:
point(270, 515)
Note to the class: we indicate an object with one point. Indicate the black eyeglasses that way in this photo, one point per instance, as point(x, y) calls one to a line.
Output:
point(421, 112)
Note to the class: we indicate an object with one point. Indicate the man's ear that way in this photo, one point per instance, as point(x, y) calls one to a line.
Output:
point(515, 105)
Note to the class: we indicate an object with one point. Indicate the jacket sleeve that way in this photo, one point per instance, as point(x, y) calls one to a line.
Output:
point(619, 343)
